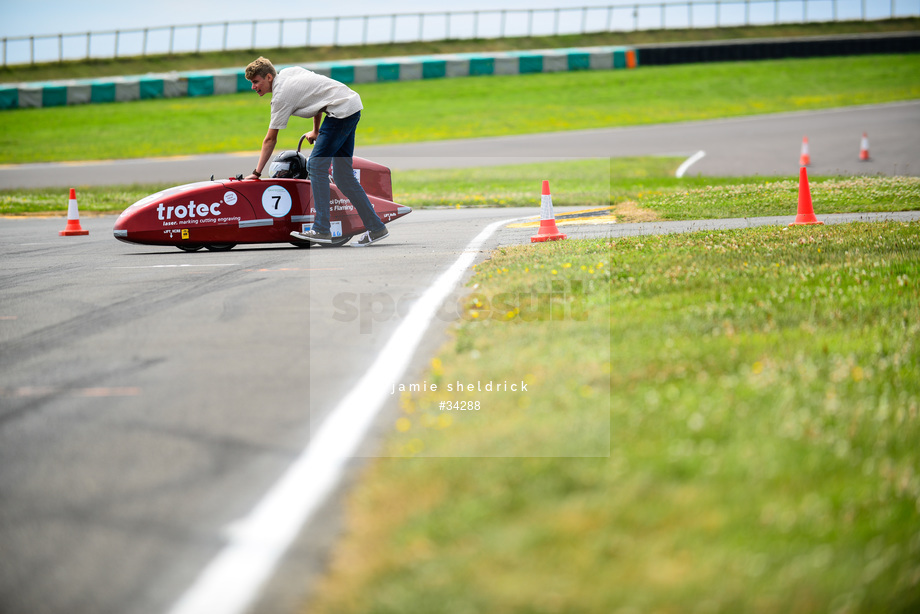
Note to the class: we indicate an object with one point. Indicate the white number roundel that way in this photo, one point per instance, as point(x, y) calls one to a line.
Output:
point(276, 201)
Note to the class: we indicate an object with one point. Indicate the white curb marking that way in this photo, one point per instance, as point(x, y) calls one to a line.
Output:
point(232, 580)
point(689, 162)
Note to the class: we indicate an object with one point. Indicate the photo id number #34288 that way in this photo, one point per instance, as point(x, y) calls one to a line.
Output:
point(459, 406)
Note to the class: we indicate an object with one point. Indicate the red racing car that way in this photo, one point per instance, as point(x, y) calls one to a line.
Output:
point(218, 215)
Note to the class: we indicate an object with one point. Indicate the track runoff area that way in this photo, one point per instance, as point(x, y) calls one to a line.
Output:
point(255, 545)
point(233, 578)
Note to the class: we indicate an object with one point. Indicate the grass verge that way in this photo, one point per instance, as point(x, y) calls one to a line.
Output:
point(763, 388)
point(642, 189)
point(700, 198)
point(428, 110)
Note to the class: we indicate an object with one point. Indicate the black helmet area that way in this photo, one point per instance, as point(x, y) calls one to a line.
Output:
point(289, 165)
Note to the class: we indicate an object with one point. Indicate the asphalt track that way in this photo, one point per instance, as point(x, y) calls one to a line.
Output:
point(765, 145)
point(149, 398)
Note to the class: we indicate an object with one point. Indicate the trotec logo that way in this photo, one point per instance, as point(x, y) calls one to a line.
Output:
point(189, 211)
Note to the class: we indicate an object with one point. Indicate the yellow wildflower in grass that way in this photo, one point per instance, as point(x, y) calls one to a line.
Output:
point(403, 424)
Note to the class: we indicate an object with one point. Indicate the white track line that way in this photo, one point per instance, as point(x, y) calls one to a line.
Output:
point(688, 162)
point(232, 580)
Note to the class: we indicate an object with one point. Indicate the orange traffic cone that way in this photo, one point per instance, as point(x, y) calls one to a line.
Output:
point(548, 230)
point(806, 214)
point(73, 227)
point(805, 158)
point(864, 147)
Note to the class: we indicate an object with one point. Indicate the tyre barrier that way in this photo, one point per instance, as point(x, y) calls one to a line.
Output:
point(778, 48)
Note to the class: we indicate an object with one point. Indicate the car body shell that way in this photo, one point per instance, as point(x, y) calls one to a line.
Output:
point(219, 214)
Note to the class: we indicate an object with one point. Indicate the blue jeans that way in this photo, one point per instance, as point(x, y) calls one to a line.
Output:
point(335, 144)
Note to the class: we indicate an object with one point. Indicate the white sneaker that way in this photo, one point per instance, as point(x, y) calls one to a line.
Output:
point(372, 237)
point(312, 236)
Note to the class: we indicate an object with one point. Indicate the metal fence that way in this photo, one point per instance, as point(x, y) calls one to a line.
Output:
point(441, 25)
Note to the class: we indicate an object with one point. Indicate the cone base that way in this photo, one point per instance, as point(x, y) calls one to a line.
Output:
point(73, 228)
point(542, 238)
point(807, 222)
point(548, 232)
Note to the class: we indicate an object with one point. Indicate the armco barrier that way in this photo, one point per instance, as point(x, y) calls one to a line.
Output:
point(231, 80)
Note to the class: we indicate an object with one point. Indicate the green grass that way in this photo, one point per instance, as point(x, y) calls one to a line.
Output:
point(465, 108)
point(297, 55)
point(640, 189)
point(648, 184)
point(762, 390)
point(91, 200)
point(701, 198)
point(582, 183)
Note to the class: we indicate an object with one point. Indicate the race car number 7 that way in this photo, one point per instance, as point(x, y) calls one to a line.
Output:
point(276, 201)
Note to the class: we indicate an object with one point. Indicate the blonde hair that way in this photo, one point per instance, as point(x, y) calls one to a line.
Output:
point(260, 68)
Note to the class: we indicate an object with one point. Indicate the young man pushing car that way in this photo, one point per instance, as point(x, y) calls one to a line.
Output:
point(300, 92)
